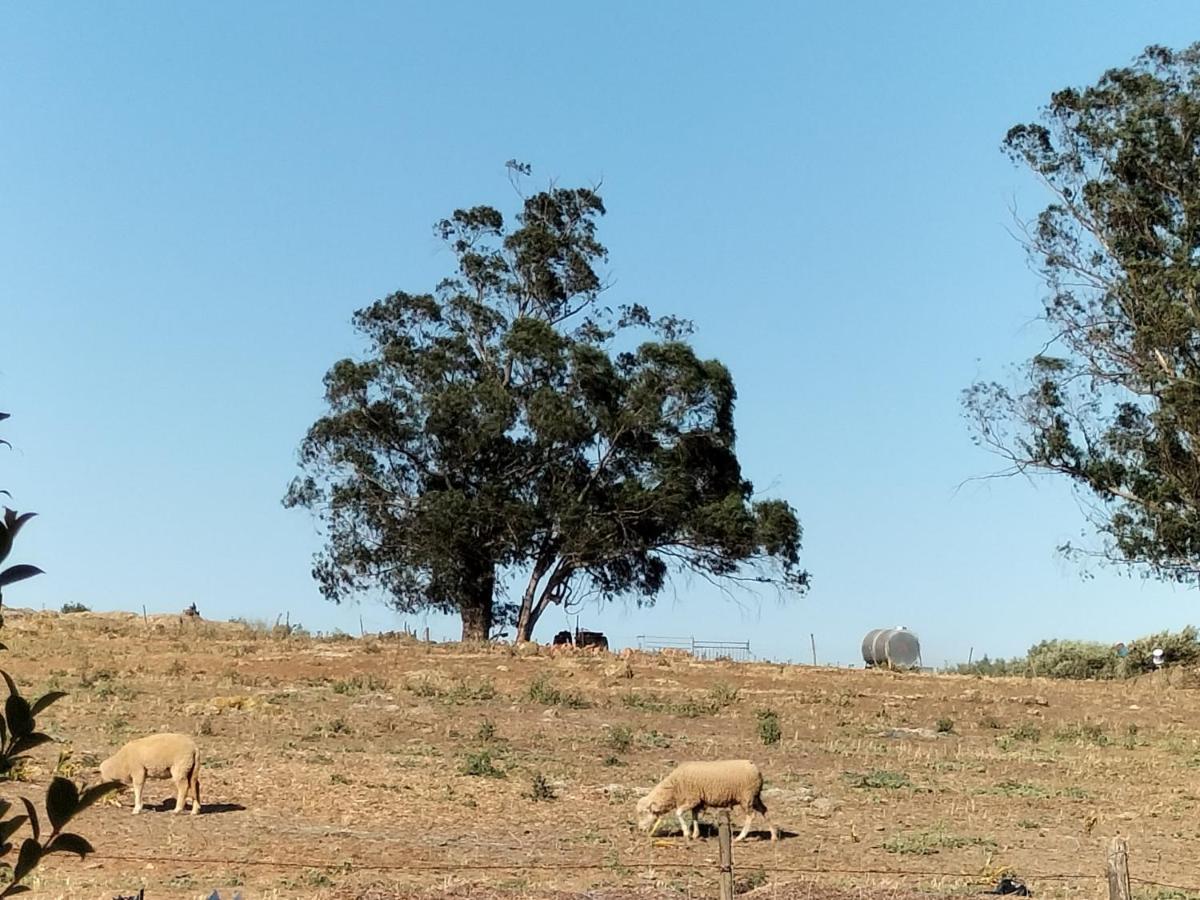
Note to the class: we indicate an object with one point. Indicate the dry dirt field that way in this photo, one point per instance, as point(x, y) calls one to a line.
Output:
point(384, 767)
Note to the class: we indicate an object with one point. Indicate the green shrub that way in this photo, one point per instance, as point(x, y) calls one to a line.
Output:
point(620, 738)
point(542, 691)
point(481, 765)
point(769, 729)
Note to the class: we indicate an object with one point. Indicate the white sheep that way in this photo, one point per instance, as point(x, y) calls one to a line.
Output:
point(719, 784)
point(173, 756)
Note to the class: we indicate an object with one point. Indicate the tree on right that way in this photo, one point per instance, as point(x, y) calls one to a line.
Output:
point(1112, 403)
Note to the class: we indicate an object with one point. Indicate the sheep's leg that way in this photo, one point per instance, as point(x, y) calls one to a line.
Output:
point(761, 809)
point(696, 822)
point(746, 827)
point(683, 825)
point(139, 779)
point(181, 792)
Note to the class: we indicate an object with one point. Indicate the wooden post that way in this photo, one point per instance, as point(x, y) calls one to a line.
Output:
point(726, 845)
point(1118, 870)
point(812, 638)
point(970, 655)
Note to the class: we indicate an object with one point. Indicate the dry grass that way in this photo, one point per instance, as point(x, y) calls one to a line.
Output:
point(346, 754)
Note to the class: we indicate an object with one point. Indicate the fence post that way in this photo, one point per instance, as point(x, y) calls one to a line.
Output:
point(1118, 870)
point(726, 845)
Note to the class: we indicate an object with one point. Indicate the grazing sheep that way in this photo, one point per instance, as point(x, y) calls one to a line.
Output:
point(719, 784)
point(173, 756)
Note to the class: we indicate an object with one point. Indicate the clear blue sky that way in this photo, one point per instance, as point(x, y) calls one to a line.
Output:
point(194, 197)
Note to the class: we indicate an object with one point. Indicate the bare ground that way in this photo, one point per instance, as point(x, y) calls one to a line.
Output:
point(384, 767)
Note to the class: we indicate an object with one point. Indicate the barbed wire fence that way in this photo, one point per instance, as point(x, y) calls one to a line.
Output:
point(1117, 872)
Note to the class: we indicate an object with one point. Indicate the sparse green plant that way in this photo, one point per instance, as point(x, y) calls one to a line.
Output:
point(944, 725)
point(750, 881)
point(1026, 731)
point(612, 760)
point(359, 684)
point(990, 721)
point(540, 789)
point(69, 608)
point(934, 840)
point(723, 694)
point(1017, 789)
point(769, 729)
point(542, 691)
point(487, 732)
point(620, 738)
point(338, 726)
point(1130, 741)
point(480, 764)
point(878, 779)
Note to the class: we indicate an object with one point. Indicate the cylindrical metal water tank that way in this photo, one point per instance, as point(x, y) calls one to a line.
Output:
point(896, 648)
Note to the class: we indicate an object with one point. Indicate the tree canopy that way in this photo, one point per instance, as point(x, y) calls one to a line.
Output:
point(1112, 403)
point(505, 442)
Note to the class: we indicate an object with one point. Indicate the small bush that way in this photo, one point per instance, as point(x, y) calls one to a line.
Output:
point(723, 695)
point(540, 789)
point(769, 730)
point(542, 691)
point(487, 732)
point(620, 738)
point(944, 725)
point(68, 608)
point(359, 684)
point(480, 764)
point(1026, 732)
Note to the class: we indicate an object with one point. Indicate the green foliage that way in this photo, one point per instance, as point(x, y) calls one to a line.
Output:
point(19, 735)
point(1113, 405)
point(931, 841)
point(620, 738)
point(944, 725)
point(1026, 732)
point(480, 764)
point(505, 422)
point(769, 729)
point(879, 779)
point(1091, 659)
point(542, 691)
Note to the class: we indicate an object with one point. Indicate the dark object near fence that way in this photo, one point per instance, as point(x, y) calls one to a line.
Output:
point(590, 639)
point(191, 612)
point(140, 895)
point(581, 638)
point(1009, 885)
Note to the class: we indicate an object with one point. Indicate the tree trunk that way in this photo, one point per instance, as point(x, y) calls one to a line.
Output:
point(528, 617)
point(477, 612)
point(531, 612)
